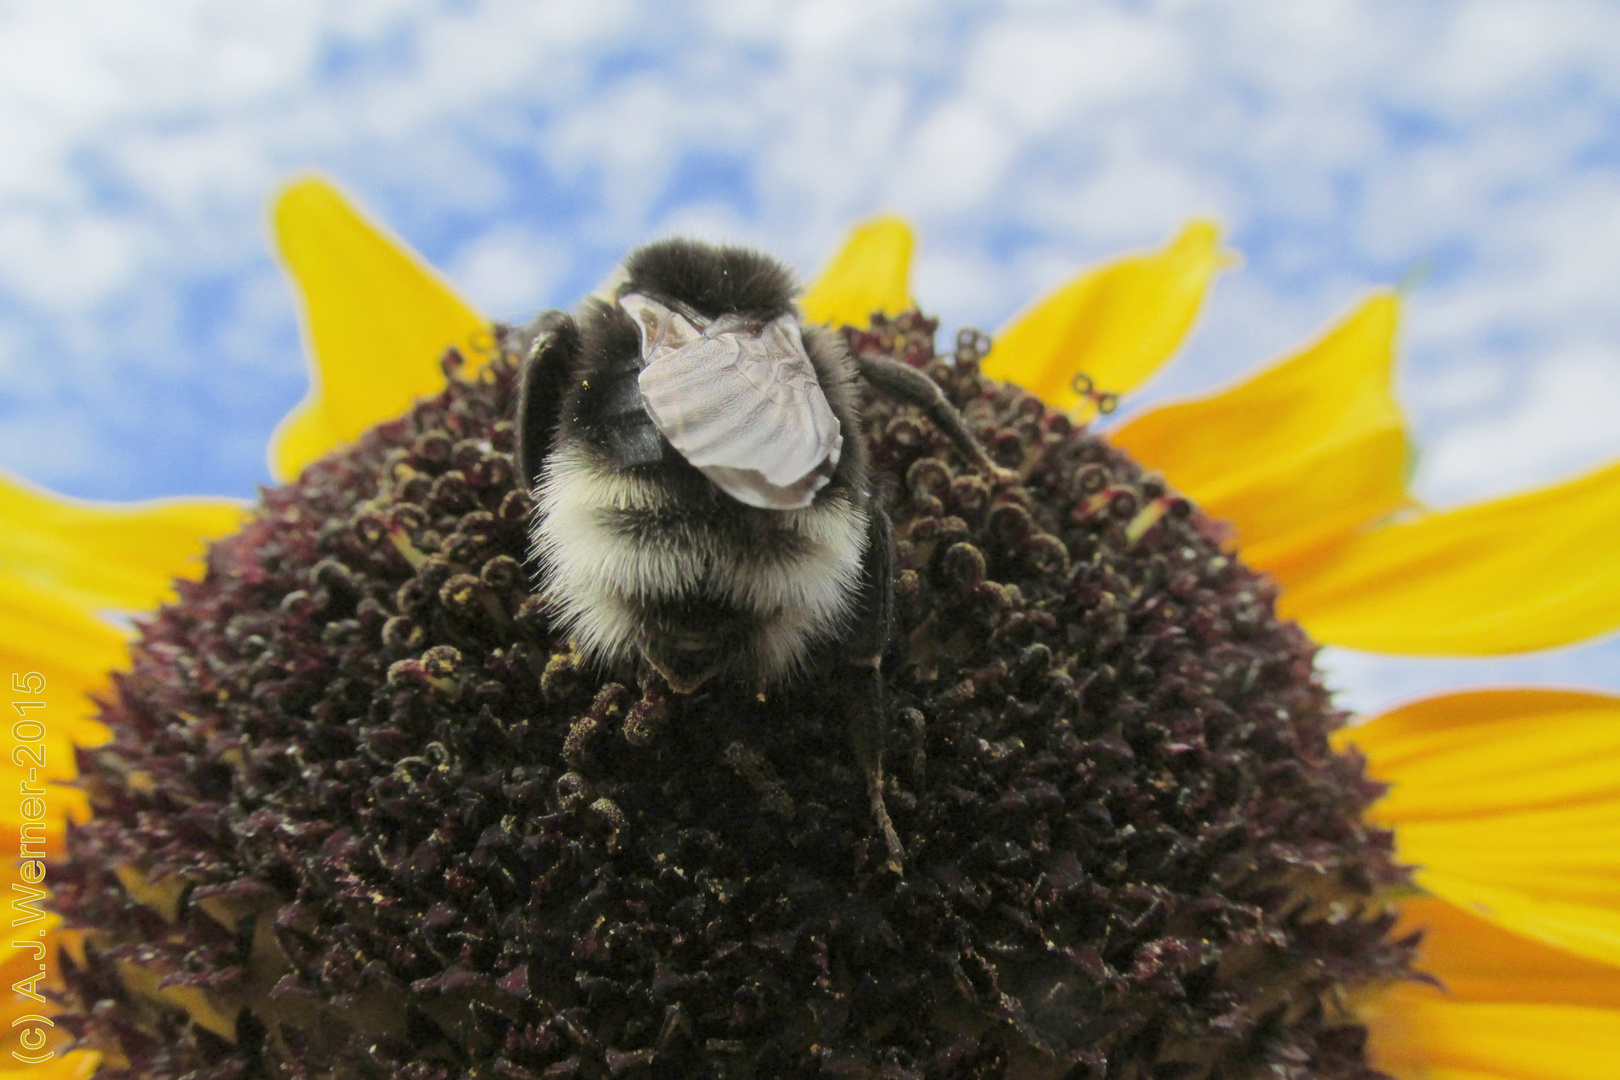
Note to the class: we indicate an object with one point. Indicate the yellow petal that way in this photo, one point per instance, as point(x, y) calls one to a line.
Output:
point(1508, 804)
point(105, 555)
point(20, 960)
point(1490, 751)
point(77, 1065)
point(52, 657)
point(376, 320)
point(1298, 457)
point(871, 272)
point(1478, 961)
point(52, 654)
point(1417, 1033)
point(1117, 323)
point(47, 839)
point(1561, 887)
point(32, 1062)
point(217, 1013)
point(70, 650)
point(1511, 575)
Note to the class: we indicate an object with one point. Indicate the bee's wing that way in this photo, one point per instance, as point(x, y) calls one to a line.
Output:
point(661, 329)
point(749, 411)
point(545, 379)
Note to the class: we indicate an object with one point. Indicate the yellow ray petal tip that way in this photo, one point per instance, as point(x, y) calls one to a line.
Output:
point(1298, 456)
point(1116, 323)
point(376, 320)
point(870, 273)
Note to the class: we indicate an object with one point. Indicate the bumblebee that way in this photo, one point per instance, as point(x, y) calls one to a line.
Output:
point(701, 488)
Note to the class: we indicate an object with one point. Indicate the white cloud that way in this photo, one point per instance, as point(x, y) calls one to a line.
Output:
point(1497, 52)
point(956, 157)
point(1461, 388)
point(63, 262)
point(1136, 196)
point(1559, 417)
point(1038, 72)
point(509, 273)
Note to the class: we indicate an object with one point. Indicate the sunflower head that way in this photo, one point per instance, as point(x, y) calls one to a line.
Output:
point(364, 813)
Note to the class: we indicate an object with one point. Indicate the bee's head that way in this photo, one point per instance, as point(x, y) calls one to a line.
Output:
point(711, 281)
point(725, 373)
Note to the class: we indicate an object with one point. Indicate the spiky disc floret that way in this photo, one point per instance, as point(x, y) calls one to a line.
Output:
point(363, 815)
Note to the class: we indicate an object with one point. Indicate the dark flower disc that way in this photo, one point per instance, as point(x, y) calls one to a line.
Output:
point(364, 815)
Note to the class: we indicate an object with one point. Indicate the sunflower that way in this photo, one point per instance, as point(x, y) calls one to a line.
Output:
point(1505, 803)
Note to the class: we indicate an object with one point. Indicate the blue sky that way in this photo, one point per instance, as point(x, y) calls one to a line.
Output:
point(148, 344)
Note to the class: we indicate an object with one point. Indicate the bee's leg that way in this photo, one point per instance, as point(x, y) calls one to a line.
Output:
point(905, 383)
point(545, 380)
point(860, 686)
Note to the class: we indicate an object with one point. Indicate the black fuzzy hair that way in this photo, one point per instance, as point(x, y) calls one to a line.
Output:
point(712, 280)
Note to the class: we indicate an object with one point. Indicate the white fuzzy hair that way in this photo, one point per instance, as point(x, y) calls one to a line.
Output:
point(598, 578)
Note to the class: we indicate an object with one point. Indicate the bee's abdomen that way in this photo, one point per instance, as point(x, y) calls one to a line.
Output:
point(629, 558)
